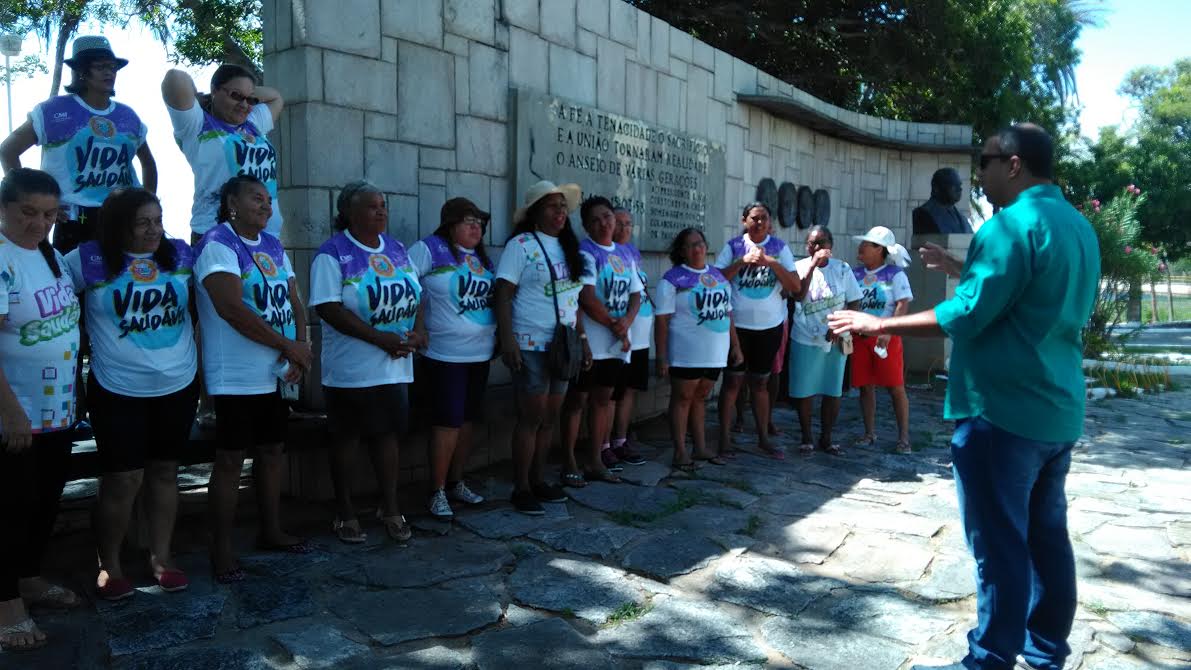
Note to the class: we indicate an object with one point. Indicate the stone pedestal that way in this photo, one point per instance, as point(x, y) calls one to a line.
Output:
point(931, 354)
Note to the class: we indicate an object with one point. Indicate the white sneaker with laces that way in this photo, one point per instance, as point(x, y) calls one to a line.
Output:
point(439, 506)
point(460, 493)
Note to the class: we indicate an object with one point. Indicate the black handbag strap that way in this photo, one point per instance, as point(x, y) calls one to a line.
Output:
point(553, 278)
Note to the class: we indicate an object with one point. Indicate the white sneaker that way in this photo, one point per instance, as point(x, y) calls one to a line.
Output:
point(460, 493)
point(439, 506)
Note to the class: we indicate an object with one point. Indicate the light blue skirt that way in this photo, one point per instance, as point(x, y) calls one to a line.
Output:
point(816, 372)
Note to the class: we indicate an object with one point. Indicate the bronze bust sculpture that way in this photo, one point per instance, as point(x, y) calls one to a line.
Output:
point(939, 214)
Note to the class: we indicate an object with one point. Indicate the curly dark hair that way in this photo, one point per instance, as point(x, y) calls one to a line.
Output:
point(117, 217)
point(231, 188)
point(678, 246)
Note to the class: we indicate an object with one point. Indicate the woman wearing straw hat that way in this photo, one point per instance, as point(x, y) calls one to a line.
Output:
point(877, 361)
point(88, 140)
point(538, 281)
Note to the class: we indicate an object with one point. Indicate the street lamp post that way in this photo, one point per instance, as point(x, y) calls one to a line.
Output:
point(10, 45)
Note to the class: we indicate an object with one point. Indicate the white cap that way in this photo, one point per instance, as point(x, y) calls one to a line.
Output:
point(883, 237)
point(572, 192)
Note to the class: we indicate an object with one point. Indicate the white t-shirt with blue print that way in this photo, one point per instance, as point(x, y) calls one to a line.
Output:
point(232, 363)
point(757, 293)
point(614, 277)
point(380, 286)
point(88, 151)
point(142, 338)
point(701, 302)
point(460, 321)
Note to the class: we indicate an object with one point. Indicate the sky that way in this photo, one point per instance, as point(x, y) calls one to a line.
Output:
point(1132, 33)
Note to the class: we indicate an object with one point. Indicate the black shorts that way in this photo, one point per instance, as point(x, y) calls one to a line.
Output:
point(367, 412)
point(245, 421)
point(759, 347)
point(130, 431)
point(633, 375)
point(602, 373)
point(455, 391)
point(695, 373)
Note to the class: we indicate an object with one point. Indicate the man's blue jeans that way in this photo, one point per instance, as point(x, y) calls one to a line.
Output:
point(1014, 509)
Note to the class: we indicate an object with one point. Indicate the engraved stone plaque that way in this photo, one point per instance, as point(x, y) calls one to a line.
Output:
point(669, 180)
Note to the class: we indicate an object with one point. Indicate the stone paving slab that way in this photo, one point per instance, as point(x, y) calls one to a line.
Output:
point(565, 648)
point(144, 623)
point(579, 587)
point(425, 563)
point(682, 629)
point(600, 540)
point(769, 585)
point(624, 498)
point(671, 554)
point(826, 562)
point(821, 645)
point(506, 523)
point(716, 493)
point(320, 647)
point(400, 615)
point(260, 601)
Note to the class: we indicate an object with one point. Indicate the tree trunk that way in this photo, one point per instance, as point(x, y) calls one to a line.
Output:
point(1154, 317)
point(1133, 310)
point(66, 28)
point(1169, 292)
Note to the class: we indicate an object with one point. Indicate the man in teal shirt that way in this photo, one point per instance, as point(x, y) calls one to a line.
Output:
point(1016, 391)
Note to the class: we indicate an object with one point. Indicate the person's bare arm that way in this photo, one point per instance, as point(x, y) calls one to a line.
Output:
point(16, 432)
point(148, 168)
point(347, 322)
point(509, 352)
point(937, 258)
point(17, 143)
point(790, 281)
point(225, 290)
point(900, 309)
point(271, 97)
point(661, 344)
point(178, 90)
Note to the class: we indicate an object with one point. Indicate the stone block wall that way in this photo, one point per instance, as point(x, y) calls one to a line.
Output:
point(414, 95)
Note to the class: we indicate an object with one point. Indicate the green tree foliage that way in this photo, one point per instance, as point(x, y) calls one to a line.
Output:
point(952, 61)
point(198, 31)
point(26, 66)
point(1155, 154)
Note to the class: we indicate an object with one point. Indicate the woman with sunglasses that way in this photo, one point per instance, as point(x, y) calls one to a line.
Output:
point(231, 121)
point(458, 278)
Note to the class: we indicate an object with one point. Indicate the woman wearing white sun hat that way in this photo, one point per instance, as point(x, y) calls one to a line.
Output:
point(877, 361)
point(538, 280)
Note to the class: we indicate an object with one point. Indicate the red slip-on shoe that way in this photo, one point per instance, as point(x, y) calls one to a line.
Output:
point(117, 588)
point(172, 581)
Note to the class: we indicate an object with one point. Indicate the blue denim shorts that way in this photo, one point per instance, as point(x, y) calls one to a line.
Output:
point(535, 378)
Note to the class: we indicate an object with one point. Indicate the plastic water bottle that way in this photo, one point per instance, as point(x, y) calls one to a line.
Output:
point(881, 352)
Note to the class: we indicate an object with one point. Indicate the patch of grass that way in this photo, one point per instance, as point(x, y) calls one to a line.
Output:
point(1096, 608)
point(1176, 440)
point(1129, 383)
point(684, 500)
point(568, 613)
point(754, 524)
point(627, 612)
